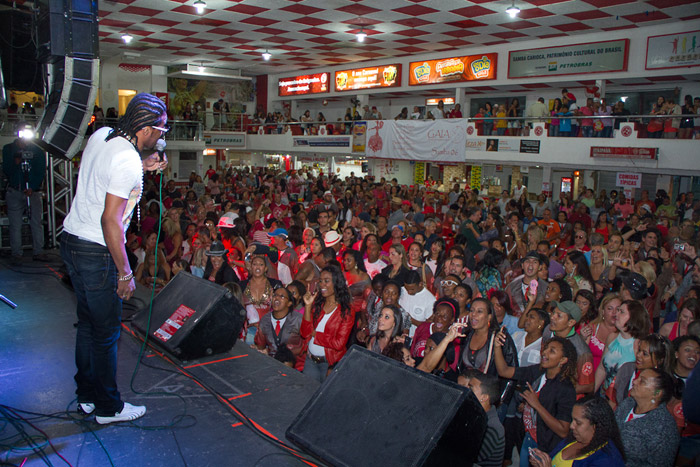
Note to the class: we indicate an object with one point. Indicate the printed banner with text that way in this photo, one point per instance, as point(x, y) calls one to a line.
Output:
point(593, 57)
point(434, 141)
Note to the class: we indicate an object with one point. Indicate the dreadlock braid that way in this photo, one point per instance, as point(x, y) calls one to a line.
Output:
point(144, 110)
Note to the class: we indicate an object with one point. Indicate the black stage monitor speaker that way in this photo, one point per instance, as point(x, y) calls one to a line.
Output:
point(374, 410)
point(192, 318)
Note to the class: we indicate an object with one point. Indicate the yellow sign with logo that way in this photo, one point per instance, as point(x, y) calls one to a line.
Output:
point(419, 173)
point(476, 177)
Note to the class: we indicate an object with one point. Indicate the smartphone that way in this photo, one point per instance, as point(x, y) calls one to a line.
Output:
point(533, 286)
point(679, 247)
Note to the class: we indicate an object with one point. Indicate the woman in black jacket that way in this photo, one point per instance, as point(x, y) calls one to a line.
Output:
point(549, 393)
point(217, 269)
point(479, 346)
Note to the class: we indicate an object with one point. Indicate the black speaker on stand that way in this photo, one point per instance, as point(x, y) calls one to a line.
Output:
point(192, 318)
point(373, 410)
point(68, 44)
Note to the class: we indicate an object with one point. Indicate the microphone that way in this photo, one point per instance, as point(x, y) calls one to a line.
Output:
point(160, 147)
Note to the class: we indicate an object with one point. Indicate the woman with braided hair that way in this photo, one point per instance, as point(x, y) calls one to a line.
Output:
point(110, 184)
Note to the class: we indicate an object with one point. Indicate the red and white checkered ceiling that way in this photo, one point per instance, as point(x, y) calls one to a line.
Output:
point(302, 34)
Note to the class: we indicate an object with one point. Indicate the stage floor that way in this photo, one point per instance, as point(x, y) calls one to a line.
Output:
point(185, 424)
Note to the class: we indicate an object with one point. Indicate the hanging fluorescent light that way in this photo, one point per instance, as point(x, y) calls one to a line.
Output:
point(199, 6)
point(266, 55)
point(513, 10)
point(126, 37)
point(361, 36)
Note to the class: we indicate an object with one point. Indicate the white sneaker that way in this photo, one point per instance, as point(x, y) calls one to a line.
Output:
point(128, 413)
point(86, 407)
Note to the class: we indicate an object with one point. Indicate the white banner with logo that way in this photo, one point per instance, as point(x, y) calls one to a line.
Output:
point(629, 180)
point(438, 141)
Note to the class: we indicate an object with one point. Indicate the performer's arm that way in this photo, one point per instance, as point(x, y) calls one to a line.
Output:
point(113, 231)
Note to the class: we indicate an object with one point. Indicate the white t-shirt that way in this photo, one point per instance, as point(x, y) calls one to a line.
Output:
point(112, 167)
point(374, 268)
point(419, 306)
point(314, 348)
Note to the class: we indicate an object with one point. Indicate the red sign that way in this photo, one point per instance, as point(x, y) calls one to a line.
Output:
point(386, 76)
point(456, 69)
point(164, 97)
point(304, 84)
point(625, 153)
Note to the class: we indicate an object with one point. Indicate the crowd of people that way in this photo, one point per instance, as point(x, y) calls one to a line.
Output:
point(575, 323)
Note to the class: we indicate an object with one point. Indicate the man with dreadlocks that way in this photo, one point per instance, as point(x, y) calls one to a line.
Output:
point(110, 183)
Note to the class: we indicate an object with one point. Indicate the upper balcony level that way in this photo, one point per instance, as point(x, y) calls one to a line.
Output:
point(645, 143)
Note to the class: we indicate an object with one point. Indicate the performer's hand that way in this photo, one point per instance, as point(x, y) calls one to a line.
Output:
point(125, 289)
point(153, 162)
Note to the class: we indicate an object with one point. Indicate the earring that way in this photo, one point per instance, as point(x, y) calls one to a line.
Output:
point(653, 401)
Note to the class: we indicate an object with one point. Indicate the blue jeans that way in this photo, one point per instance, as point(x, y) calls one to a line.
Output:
point(16, 205)
point(500, 131)
point(94, 277)
point(587, 131)
point(315, 370)
point(528, 443)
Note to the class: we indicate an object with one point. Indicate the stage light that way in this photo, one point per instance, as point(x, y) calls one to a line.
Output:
point(126, 37)
point(26, 132)
point(266, 55)
point(200, 6)
point(361, 35)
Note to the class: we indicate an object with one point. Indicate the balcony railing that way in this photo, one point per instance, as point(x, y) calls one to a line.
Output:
point(193, 130)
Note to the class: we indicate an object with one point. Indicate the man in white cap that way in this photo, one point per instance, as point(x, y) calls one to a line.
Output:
point(288, 261)
point(332, 240)
point(328, 202)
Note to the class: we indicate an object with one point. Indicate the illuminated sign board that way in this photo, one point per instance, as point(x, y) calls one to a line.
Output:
point(457, 69)
point(445, 100)
point(304, 84)
point(367, 78)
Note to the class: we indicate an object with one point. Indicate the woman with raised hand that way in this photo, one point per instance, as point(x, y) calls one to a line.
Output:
point(328, 321)
point(549, 393)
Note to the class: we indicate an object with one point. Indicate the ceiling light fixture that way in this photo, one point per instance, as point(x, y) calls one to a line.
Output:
point(266, 55)
point(126, 37)
point(513, 10)
point(201, 67)
point(200, 6)
point(361, 36)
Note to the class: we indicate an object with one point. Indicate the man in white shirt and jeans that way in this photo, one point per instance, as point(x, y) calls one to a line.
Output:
point(416, 300)
point(92, 246)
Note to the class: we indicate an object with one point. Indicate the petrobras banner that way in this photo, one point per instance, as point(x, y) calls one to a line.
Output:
point(439, 141)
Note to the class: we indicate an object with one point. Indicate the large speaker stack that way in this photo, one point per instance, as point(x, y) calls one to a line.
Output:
point(68, 44)
point(372, 410)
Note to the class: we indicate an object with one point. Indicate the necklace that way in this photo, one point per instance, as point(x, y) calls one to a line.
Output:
point(264, 299)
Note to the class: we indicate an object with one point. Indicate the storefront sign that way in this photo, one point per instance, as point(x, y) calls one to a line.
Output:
point(673, 50)
point(366, 78)
point(312, 159)
point(628, 180)
point(436, 101)
point(593, 57)
point(321, 141)
point(434, 140)
point(304, 84)
point(456, 69)
point(625, 153)
point(359, 136)
point(225, 140)
point(529, 146)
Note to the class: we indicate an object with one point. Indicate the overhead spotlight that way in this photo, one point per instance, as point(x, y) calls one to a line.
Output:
point(361, 36)
point(126, 37)
point(266, 55)
point(513, 10)
point(199, 6)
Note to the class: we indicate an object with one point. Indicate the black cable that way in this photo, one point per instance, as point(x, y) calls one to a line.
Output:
point(179, 449)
